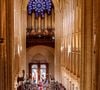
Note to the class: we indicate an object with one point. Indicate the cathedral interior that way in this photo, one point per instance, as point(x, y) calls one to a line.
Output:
point(50, 40)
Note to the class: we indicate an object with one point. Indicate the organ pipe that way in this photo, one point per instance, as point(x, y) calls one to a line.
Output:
point(46, 22)
point(39, 26)
point(29, 21)
point(53, 19)
point(49, 21)
point(42, 24)
point(36, 25)
point(33, 22)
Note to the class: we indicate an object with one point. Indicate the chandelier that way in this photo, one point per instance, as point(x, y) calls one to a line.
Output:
point(39, 7)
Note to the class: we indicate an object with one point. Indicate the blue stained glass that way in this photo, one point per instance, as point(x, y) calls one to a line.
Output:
point(40, 7)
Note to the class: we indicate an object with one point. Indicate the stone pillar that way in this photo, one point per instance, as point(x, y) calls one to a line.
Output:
point(6, 48)
point(23, 41)
point(96, 43)
point(58, 35)
point(3, 63)
point(87, 45)
point(97, 51)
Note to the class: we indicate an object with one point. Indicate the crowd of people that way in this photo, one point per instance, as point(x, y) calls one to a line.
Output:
point(29, 83)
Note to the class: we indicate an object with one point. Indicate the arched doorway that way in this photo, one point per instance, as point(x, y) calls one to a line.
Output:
point(40, 59)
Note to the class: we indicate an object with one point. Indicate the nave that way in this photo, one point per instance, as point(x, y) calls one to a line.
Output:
point(63, 33)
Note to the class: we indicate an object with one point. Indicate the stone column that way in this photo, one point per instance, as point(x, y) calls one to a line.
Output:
point(87, 45)
point(96, 43)
point(3, 82)
point(58, 35)
point(6, 48)
point(96, 24)
point(9, 43)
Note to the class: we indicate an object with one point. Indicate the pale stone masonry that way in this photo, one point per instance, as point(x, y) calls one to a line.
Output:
point(77, 45)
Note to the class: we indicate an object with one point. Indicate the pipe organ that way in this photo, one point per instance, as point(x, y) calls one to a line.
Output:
point(41, 25)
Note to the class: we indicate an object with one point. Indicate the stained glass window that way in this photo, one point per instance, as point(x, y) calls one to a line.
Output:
point(40, 7)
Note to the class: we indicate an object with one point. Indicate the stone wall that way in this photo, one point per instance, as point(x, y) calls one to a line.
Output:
point(75, 43)
point(68, 42)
